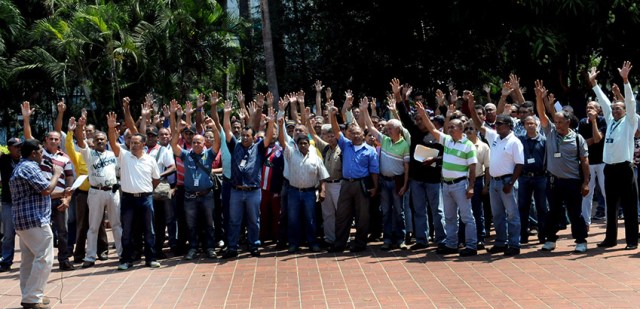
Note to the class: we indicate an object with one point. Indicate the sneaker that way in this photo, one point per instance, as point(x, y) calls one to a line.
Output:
point(103, 256)
point(66, 265)
point(191, 254)
point(497, 249)
point(88, 264)
point(211, 253)
point(403, 246)
point(549, 246)
point(124, 266)
point(385, 247)
point(446, 250)
point(598, 217)
point(34, 306)
point(152, 264)
point(468, 252)
point(4, 268)
point(221, 243)
point(229, 254)
point(418, 246)
point(255, 252)
point(581, 247)
point(533, 231)
point(511, 251)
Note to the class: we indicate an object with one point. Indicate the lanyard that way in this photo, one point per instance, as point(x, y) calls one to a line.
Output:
point(615, 125)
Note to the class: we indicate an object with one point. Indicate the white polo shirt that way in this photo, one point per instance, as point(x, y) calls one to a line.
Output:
point(136, 173)
point(505, 153)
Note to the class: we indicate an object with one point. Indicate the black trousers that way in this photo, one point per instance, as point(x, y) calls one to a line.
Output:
point(620, 186)
point(567, 191)
point(352, 202)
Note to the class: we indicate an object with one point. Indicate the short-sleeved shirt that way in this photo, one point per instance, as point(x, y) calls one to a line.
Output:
point(30, 208)
point(308, 171)
point(483, 155)
point(7, 164)
point(358, 163)
point(458, 156)
point(102, 167)
point(534, 153)
point(505, 153)
point(195, 178)
point(585, 128)
point(393, 156)
point(332, 159)
point(566, 164)
point(61, 159)
point(163, 156)
point(136, 174)
point(246, 163)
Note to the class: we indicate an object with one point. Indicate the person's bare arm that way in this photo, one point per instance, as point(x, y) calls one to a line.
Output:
point(472, 180)
point(227, 121)
point(541, 92)
point(268, 136)
point(318, 86)
point(293, 100)
point(82, 123)
point(477, 122)
point(188, 111)
point(506, 91)
point(175, 134)
point(427, 122)
point(333, 111)
point(128, 119)
point(27, 111)
point(113, 138)
point(346, 107)
point(514, 80)
point(57, 172)
point(364, 114)
point(59, 118)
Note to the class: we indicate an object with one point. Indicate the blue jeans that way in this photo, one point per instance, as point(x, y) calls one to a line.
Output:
point(59, 222)
point(9, 239)
point(536, 185)
point(478, 211)
point(225, 196)
point(408, 212)
point(392, 212)
point(426, 194)
point(455, 199)
point(244, 203)
point(138, 211)
point(196, 208)
point(301, 204)
point(506, 216)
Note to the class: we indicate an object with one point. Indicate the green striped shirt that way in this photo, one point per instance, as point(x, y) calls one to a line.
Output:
point(457, 157)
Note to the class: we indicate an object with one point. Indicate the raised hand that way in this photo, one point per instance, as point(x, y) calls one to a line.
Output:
point(407, 89)
point(468, 96)
point(271, 114)
point(373, 103)
point(252, 108)
point(83, 112)
point(27, 111)
point(453, 96)
point(507, 109)
point(240, 96)
point(507, 88)
point(165, 111)
point(541, 91)
point(200, 102)
point(349, 99)
point(624, 71)
point(61, 106)
point(260, 100)
point(145, 110)
point(486, 88)
point(616, 92)
point(318, 86)
point(440, 97)
point(420, 109)
point(514, 80)
point(72, 124)
point(300, 97)
point(112, 120)
point(292, 98)
point(330, 104)
point(282, 104)
point(593, 74)
point(364, 103)
point(227, 107)
point(391, 103)
point(82, 122)
point(395, 85)
point(214, 98)
point(188, 108)
point(327, 93)
point(269, 97)
point(125, 103)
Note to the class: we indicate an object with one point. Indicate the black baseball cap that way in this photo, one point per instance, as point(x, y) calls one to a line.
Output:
point(14, 141)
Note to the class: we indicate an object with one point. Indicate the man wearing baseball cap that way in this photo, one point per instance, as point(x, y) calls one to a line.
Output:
point(7, 163)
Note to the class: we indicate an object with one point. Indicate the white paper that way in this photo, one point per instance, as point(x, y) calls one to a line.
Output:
point(423, 153)
point(557, 106)
point(78, 182)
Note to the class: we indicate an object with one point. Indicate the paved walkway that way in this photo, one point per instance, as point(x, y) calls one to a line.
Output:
point(395, 279)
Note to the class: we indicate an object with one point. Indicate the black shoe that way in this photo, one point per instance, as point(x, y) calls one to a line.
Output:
point(66, 265)
point(254, 252)
point(103, 256)
point(480, 245)
point(607, 244)
point(229, 254)
point(78, 259)
point(281, 245)
point(524, 240)
point(511, 251)
point(407, 238)
point(468, 252)
point(631, 247)
point(446, 250)
point(87, 264)
point(4, 268)
point(355, 249)
point(598, 217)
point(496, 249)
point(334, 249)
point(418, 246)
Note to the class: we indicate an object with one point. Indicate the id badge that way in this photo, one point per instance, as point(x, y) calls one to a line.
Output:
point(531, 160)
point(557, 155)
point(243, 163)
point(196, 182)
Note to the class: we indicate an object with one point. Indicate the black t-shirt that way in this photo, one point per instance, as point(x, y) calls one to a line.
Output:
point(6, 169)
point(596, 149)
point(417, 170)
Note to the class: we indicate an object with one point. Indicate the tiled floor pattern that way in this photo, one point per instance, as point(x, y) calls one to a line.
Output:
point(395, 279)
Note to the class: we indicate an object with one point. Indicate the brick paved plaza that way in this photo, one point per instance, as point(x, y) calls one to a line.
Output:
point(395, 279)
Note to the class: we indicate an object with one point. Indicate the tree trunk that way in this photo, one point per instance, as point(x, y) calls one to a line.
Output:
point(247, 77)
point(269, 58)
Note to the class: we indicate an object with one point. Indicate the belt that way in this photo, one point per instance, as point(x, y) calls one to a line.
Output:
point(194, 194)
point(351, 179)
point(620, 163)
point(105, 188)
point(80, 191)
point(303, 189)
point(389, 178)
point(240, 188)
point(457, 180)
point(503, 177)
point(534, 174)
point(143, 194)
point(333, 181)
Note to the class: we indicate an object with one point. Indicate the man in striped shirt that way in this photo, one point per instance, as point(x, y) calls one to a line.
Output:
point(458, 161)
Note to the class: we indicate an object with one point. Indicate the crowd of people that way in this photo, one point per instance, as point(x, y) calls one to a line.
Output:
point(180, 182)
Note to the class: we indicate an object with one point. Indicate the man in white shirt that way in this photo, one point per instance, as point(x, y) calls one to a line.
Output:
point(101, 167)
point(139, 175)
point(619, 180)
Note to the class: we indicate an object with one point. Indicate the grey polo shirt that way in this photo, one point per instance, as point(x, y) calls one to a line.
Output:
point(566, 164)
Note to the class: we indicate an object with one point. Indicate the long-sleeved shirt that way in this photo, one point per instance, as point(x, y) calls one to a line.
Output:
point(79, 165)
point(618, 142)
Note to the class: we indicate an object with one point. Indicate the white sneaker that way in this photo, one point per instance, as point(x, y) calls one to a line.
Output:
point(581, 247)
point(549, 246)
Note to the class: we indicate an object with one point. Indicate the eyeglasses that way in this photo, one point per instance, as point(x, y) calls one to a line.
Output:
point(469, 129)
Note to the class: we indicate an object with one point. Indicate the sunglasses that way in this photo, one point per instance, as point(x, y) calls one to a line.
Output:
point(469, 129)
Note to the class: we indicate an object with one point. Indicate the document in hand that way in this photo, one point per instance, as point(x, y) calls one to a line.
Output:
point(423, 153)
point(78, 181)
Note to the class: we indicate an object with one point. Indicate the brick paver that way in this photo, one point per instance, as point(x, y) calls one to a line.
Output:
point(374, 278)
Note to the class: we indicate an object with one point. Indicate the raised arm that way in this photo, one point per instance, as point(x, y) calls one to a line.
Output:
point(257, 108)
point(227, 121)
point(113, 137)
point(214, 99)
point(425, 119)
point(504, 94)
point(364, 114)
point(188, 111)
point(128, 119)
point(271, 127)
point(318, 86)
point(61, 109)
point(477, 121)
point(346, 107)
point(514, 80)
point(333, 111)
point(541, 92)
point(27, 111)
point(293, 102)
point(175, 134)
point(145, 115)
point(629, 101)
point(200, 112)
point(395, 89)
point(281, 134)
point(82, 123)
